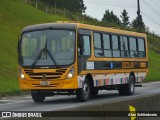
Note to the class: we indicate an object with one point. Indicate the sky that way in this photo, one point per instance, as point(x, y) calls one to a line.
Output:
point(149, 10)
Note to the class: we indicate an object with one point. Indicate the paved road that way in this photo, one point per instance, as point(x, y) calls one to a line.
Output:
point(25, 103)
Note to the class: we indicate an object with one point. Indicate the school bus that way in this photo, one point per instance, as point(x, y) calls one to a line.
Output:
point(71, 58)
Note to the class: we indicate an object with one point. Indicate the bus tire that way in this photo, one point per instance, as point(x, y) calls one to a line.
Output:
point(129, 88)
point(94, 92)
point(83, 94)
point(37, 96)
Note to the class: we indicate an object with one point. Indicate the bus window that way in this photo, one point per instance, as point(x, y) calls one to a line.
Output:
point(124, 46)
point(133, 47)
point(87, 46)
point(141, 48)
point(28, 46)
point(115, 46)
point(53, 46)
point(63, 44)
point(97, 45)
point(107, 45)
point(66, 43)
point(42, 42)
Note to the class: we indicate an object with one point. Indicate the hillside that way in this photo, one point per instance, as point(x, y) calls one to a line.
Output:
point(14, 15)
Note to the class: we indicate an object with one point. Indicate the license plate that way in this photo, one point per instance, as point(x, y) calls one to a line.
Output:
point(45, 83)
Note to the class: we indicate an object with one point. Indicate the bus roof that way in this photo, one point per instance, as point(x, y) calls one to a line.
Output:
point(49, 26)
point(110, 30)
point(73, 25)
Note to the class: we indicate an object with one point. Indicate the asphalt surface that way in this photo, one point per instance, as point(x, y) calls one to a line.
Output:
point(25, 103)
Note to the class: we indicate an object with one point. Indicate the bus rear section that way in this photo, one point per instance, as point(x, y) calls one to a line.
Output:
point(111, 59)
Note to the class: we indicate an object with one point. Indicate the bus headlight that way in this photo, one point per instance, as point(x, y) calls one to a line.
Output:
point(21, 74)
point(70, 73)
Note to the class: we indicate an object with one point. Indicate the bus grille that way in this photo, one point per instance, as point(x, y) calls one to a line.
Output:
point(45, 75)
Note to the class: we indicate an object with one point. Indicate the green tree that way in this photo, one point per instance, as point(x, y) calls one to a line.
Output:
point(106, 16)
point(71, 5)
point(138, 25)
point(110, 17)
point(125, 19)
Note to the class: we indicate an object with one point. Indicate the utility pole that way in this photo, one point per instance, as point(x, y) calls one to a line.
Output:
point(138, 5)
point(139, 15)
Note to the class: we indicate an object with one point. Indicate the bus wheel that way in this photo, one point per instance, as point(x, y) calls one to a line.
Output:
point(129, 88)
point(83, 94)
point(37, 96)
point(94, 92)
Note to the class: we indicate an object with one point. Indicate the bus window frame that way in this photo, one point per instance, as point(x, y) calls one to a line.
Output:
point(123, 35)
point(109, 42)
point(50, 66)
point(101, 37)
point(144, 42)
point(127, 46)
point(84, 32)
point(118, 46)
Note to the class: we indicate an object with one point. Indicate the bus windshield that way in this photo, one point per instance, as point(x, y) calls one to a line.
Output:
point(47, 48)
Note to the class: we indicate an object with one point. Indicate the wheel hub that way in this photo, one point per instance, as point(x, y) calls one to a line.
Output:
point(86, 90)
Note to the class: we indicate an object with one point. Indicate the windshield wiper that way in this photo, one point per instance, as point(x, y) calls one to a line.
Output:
point(53, 60)
point(39, 56)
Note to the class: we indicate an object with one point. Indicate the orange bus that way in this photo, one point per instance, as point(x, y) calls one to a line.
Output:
point(69, 58)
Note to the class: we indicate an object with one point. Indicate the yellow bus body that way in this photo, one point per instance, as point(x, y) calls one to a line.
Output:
point(100, 77)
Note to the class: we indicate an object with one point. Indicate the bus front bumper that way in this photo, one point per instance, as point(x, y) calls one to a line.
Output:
point(48, 85)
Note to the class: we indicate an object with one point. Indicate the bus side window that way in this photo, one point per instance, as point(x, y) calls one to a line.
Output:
point(115, 46)
point(86, 48)
point(87, 45)
point(107, 45)
point(141, 48)
point(124, 46)
point(97, 45)
point(133, 47)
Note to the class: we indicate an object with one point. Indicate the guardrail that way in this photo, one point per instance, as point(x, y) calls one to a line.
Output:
point(146, 107)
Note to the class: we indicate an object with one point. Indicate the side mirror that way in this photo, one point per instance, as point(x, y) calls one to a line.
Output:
point(81, 44)
point(81, 41)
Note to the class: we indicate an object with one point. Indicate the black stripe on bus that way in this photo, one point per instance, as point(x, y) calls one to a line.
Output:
point(117, 65)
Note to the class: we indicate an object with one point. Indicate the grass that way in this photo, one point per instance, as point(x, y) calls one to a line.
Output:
point(154, 67)
point(14, 15)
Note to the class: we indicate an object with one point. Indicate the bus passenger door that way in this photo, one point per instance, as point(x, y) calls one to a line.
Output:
point(84, 48)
